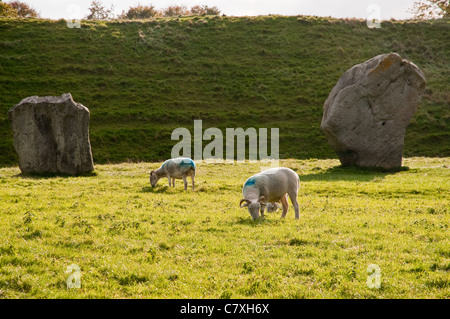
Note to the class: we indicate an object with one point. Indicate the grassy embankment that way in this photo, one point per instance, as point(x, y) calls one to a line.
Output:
point(142, 79)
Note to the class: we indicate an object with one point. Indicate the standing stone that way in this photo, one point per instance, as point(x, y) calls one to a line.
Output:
point(51, 135)
point(367, 112)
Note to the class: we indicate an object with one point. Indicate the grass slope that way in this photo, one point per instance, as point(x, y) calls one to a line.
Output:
point(134, 241)
point(142, 79)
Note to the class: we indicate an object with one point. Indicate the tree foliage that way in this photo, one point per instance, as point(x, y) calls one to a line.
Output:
point(99, 12)
point(175, 11)
point(140, 12)
point(205, 10)
point(24, 10)
point(431, 9)
point(6, 10)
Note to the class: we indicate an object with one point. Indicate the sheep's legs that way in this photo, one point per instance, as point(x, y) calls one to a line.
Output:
point(261, 210)
point(185, 182)
point(192, 177)
point(173, 181)
point(285, 205)
point(294, 202)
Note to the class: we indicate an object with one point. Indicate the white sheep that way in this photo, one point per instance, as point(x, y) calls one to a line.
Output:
point(176, 168)
point(271, 186)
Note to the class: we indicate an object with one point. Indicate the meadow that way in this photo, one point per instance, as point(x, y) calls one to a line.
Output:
point(134, 241)
point(141, 80)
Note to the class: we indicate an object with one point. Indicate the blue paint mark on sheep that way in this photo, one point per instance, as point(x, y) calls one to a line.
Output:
point(187, 162)
point(249, 182)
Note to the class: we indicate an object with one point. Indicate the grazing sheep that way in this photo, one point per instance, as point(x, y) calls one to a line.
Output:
point(180, 168)
point(271, 186)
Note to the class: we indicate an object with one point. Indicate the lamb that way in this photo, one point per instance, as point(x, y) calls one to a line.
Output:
point(271, 186)
point(272, 207)
point(179, 168)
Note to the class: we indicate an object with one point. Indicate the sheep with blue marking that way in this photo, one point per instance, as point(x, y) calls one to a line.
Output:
point(175, 168)
point(271, 186)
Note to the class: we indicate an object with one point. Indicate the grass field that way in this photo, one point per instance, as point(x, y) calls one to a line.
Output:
point(142, 79)
point(134, 241)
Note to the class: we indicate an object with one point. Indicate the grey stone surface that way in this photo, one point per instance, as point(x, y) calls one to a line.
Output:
point(367, 112)
point(51, 135)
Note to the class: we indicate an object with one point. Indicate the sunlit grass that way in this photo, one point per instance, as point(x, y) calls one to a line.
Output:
point(134, 241)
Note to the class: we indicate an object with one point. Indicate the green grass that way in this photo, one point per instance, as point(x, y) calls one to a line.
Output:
point(134, 241)
point(143, 79)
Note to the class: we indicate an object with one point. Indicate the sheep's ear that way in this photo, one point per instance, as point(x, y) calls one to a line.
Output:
point(245, 204)
point(262, 200)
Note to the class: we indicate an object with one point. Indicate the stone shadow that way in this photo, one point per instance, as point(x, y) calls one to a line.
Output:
point(53, 175)
point(350, 173)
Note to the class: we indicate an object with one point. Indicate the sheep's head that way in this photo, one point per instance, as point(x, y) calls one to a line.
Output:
point(153, 178)
point(253, 207)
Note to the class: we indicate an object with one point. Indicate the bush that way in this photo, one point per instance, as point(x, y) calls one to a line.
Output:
point(146, 12)
point(175, 11)
point(431, 9)
point(140, 12)
point(6, 10)
point(23, 10)
point(99, 12)
point(205, 10)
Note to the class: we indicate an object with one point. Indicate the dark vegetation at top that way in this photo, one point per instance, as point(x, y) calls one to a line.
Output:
point(17, 9)
point(143, 78)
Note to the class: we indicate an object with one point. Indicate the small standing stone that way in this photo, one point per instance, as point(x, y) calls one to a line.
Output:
point(51, 135)
point(367, 112)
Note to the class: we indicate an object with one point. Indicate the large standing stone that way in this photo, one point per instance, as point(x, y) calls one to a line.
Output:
point(51, 135)
point(367, 112)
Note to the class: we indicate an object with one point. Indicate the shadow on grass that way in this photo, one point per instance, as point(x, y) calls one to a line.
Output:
point(53, 175)
point(165, 189)
point(350, 173)
point(248, 221)
point(155, 190)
